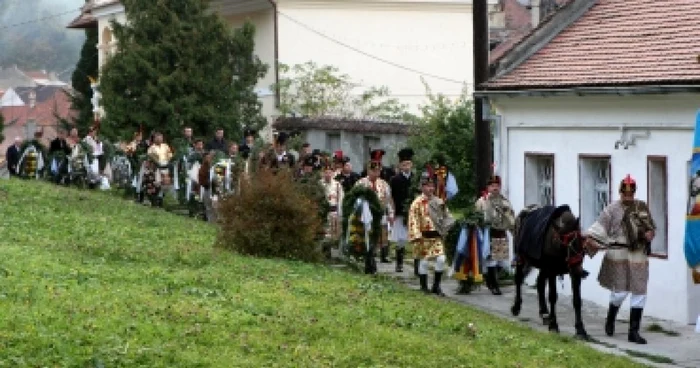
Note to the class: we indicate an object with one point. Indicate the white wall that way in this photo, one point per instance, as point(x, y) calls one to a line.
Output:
point(569, 126)
point(265, 50)
point(427, 37)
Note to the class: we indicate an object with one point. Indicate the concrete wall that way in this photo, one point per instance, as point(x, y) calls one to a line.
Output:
point(570, 126)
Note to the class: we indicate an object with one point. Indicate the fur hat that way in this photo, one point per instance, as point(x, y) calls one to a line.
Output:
point(281, 138)
point(628, 184)
point(405, 154)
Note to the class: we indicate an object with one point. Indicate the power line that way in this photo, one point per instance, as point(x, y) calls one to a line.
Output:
point(41, 19)
point(370, 55)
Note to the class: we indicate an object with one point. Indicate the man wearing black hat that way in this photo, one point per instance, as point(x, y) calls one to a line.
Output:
point(284, 158)
point(500, 217)
point(381, 187)
point(424, 232)
point(402, 191)
point(345, 176)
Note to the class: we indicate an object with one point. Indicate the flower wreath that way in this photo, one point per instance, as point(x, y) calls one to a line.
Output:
point(375, 207)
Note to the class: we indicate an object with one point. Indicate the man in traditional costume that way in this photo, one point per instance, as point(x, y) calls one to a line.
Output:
point(625, 228)
point(334, 196)
point(427, 221)
point(403, 192)
point(338, 163)
point(500, 219)
point(161, 154)
point(347, 178)
point(98, 162)
point(381, 187)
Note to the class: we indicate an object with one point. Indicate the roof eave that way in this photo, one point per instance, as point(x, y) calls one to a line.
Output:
point(650, 89)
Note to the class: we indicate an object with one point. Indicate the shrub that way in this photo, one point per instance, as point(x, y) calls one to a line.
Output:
point(271, 217)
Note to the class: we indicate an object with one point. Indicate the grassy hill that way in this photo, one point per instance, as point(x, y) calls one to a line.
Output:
point(90, 280)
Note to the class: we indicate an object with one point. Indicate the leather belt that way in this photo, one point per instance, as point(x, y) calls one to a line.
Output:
point(432, 234)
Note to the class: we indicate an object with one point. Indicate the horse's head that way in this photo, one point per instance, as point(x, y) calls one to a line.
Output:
point(568, 228)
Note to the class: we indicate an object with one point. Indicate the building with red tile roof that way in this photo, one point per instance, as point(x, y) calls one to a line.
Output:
point(598, 90)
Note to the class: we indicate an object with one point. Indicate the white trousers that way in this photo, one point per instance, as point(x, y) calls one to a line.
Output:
point(636, 301)
point(439, 265)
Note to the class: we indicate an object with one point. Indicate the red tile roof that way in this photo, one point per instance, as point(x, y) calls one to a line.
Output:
point(44, 113)
point(616, 42)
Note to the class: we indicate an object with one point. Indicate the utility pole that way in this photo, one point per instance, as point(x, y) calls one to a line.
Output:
point(482, 128)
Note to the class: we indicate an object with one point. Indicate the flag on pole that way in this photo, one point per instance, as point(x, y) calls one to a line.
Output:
point(692, 222)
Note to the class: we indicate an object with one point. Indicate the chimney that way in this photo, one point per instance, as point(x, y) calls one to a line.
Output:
point(535, 12)
point(32, 99)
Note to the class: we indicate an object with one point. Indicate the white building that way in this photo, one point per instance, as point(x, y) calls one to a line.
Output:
point(604, 89)
point(389, 43)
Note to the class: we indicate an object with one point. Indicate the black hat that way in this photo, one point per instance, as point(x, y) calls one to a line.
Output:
point(282, 138)
point(248, 132)
point(310, 161)
point(405, 154)
point(316, 152)
point(245, 151)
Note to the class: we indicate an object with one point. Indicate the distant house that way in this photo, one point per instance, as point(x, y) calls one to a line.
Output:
point(13, 77)
point(389, 43)
point(355, 137)
point(599, 90)
point(31, 109)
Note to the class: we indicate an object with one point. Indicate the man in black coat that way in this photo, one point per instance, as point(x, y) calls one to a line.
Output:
point(218, 143)
point(12, 155)
point(403, 191)
point(347, 178)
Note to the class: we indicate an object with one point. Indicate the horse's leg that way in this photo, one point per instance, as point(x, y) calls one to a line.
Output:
point(541, 288)
point(576, 291)
point(519, 278)
point(553, 325)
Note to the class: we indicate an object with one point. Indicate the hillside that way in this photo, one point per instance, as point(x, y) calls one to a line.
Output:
point(90, 280)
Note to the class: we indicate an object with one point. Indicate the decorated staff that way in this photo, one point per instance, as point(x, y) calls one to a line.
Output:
point(383, 191)
point(500, 219)
point(625, 228)
point(428, 221)
point(403, 193)
point(446, 185)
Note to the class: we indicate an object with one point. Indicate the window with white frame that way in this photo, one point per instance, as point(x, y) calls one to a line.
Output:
point(657, 199)
point(332, 142)
point(594, 187)
point(539, 179)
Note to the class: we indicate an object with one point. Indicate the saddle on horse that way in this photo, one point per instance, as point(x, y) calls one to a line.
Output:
point(533, 223)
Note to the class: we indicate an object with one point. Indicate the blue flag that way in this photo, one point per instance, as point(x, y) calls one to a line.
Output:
point(692, 223)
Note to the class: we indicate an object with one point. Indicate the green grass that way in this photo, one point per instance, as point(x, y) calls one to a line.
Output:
point(91, 280)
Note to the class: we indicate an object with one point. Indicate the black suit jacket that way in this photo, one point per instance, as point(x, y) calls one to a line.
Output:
point(58, 145)
point(401, 189)
point(12, 156)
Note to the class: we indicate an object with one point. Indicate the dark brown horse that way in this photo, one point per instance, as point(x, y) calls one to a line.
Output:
point(549, 239)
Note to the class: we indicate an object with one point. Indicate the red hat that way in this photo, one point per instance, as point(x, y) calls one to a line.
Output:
point(375, 161)
point(338, 156)
point(628, 184)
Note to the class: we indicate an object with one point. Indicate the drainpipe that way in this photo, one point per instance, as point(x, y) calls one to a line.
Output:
point(276, 46)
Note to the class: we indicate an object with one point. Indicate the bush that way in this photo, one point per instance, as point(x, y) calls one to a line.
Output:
point(271, 217)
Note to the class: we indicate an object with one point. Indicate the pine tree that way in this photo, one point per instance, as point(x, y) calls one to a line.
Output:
point(87, 67)
point(177, 66)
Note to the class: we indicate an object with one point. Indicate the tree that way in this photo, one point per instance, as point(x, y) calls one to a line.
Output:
point(87, 67)
point(311, 90)
point(177, 65)
point(447, 127)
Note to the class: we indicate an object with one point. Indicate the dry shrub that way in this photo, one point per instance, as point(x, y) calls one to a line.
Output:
point(271, 217)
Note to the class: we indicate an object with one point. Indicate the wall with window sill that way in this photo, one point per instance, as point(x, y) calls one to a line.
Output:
point(568, 127)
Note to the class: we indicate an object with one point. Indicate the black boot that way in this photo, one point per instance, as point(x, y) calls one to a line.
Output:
point(370, 263)
point(492, 281)
point(610, 321)
point(424, 283)
point(635, 321)
point(384, 253)
point(416, 263)
point(399, 259)
point(436, 284)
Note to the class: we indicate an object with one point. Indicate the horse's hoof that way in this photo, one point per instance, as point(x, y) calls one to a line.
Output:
point(554, 329)
point(515, 310)
point(545, 318)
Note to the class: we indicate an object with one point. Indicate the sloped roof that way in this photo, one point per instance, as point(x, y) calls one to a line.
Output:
point(344, 124)
point(43, 93)
point(615, 42)
point(43, 113)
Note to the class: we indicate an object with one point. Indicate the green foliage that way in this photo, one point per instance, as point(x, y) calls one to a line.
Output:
point(177, 65)
point(448, 127)
point(90, 280)
point(271, 217)
point(311, 90)
point(87, 67)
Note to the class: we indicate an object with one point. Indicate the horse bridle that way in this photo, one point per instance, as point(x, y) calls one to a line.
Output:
point(567, 241)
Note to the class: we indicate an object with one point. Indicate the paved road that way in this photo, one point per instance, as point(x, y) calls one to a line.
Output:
point(683, 349)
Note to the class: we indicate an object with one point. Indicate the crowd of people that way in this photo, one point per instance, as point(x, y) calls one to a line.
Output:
point(411, 206)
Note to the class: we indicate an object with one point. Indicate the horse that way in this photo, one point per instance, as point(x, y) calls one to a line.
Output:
point(549, 238)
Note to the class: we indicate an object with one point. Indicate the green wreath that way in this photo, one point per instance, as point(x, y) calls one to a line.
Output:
point(375, 207)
